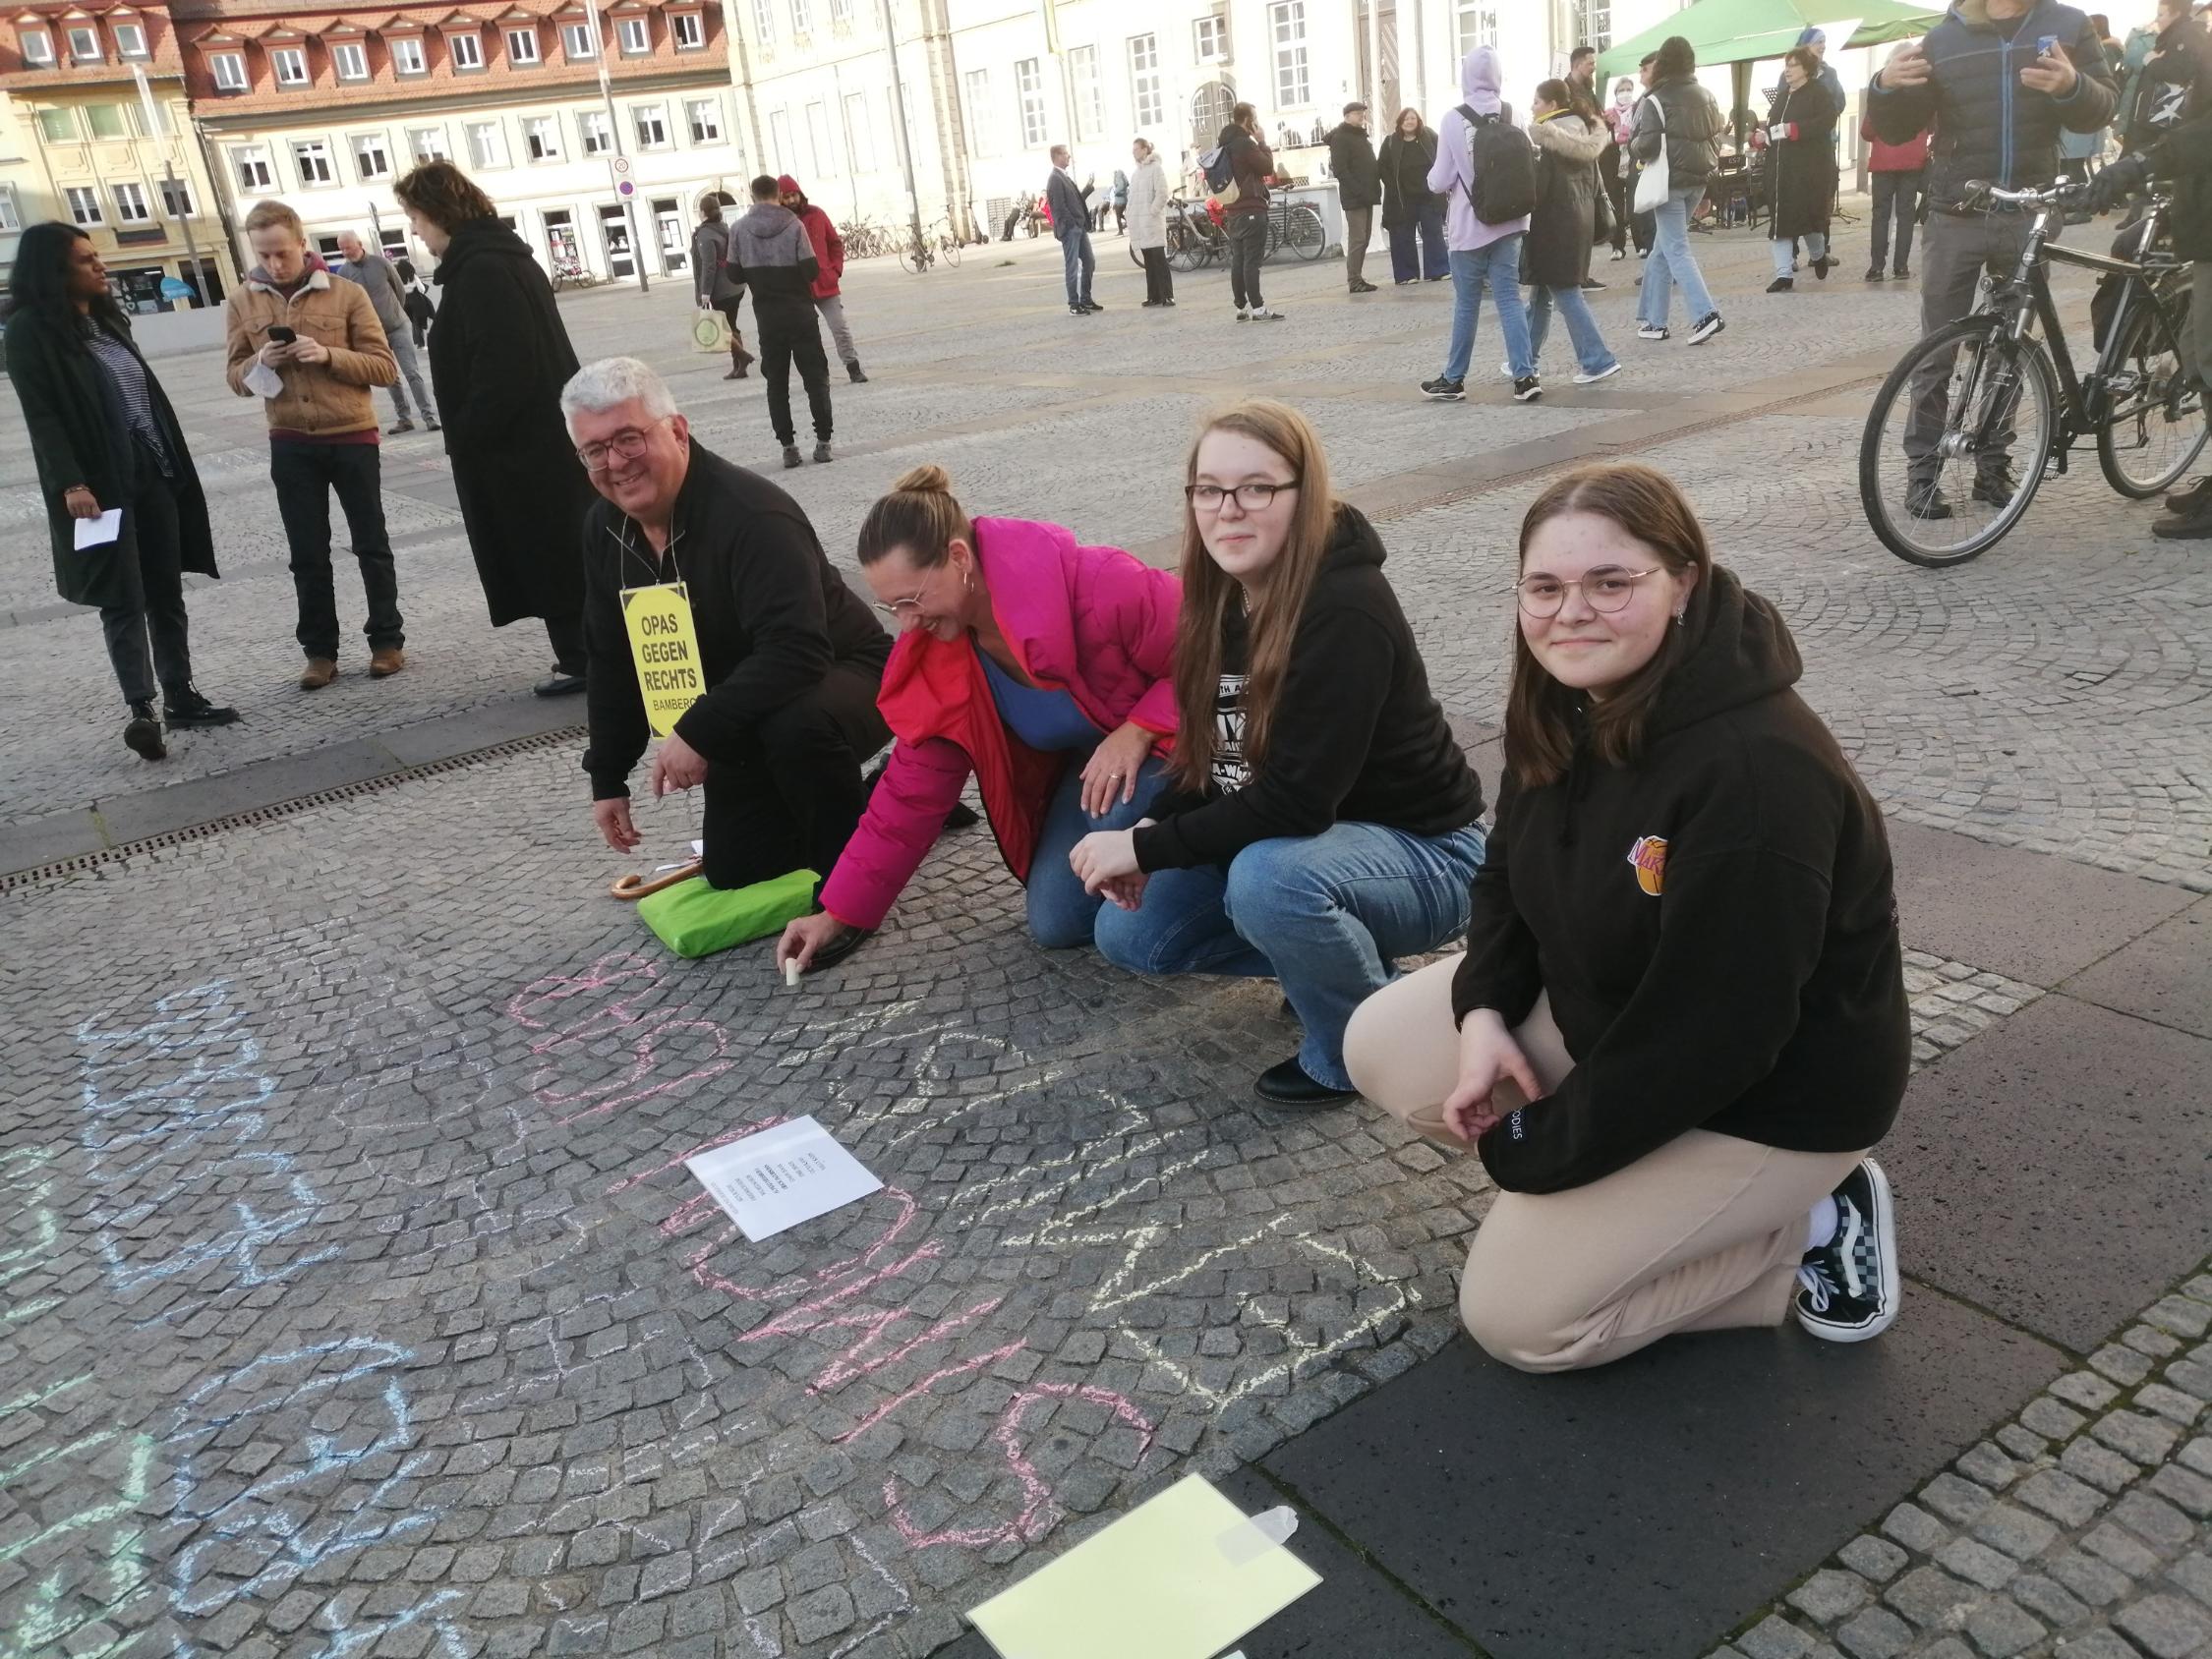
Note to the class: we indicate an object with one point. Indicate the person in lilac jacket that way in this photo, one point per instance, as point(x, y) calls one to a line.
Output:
point(1044, 667)
point(1480, 252)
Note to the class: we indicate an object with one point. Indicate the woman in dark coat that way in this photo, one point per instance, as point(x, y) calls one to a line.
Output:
point(498, 359)
point(1556, 252)
point(1409, 208)
point(1800, 135)
point(105, 438)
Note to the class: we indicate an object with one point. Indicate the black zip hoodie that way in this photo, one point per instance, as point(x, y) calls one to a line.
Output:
point(1716, 925)
point(1357, 734)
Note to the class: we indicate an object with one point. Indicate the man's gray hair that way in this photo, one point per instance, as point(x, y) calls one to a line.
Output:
point(611, 382)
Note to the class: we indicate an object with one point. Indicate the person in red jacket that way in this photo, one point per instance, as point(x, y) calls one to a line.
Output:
point(1896, 171)
point(829, 254)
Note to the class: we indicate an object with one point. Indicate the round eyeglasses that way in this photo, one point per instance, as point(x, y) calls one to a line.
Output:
point(1607, 590)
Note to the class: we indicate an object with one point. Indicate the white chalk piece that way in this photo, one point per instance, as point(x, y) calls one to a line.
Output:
point(99, 532)
point(1178, 1577)
point(771, 1181)
point(792, 972)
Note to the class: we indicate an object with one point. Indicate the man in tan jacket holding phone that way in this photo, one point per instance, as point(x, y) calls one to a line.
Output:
point(310, 344)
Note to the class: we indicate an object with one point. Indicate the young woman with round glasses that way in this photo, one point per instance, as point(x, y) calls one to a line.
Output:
point(1042, 667)
point(1680, 1020)
point(1320, 822)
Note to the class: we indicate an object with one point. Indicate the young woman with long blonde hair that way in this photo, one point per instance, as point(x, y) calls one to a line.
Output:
point(1319, 821)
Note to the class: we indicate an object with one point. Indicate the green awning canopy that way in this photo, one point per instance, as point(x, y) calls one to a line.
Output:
point(1742, 31)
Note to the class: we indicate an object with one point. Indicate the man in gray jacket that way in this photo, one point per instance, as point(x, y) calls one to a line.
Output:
point(388, 295)
point(769, 254)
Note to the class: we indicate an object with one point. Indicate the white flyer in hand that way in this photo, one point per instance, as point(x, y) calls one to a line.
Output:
point(99, 532)
point(781, 1176)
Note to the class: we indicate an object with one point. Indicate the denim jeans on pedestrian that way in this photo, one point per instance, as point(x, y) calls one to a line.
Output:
point(1248, 252)
point(1786, 252)
point(1061, 913)
point(1329, 915)
point(1078, 262)
point(1591, 353)
point(1671, 261)
point(305, 476)
point(1897, 201)
point(1499, 266)
point(410, 375)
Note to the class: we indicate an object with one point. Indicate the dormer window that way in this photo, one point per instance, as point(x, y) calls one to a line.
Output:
point(230, 72)
point(467, 50)
point(351, 60)
point(290, 64)
point(406, 54)
point(635, 38)
point(688, 29)
point(576, 40)
point(129, 40)
point(522, 45)
point(37, 47)
point(85, 45)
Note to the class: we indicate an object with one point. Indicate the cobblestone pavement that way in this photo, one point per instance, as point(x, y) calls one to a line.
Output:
point(358, 1301)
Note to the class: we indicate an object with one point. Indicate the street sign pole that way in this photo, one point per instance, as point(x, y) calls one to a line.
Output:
point(180, 195)
point(623, 188)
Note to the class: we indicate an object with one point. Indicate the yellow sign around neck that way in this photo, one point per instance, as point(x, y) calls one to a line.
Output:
point(665, 647)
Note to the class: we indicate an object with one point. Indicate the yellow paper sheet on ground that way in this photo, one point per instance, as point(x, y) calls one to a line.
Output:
point(1180, 1576)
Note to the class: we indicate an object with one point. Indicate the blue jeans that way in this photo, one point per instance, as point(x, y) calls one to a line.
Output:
point(1500, 265)
point(1786, 251)
point(1418, 250)
point(1327, 915)
point(1076, 256)
point(1671, 261)
point(1061, 913)
point(1591, 354)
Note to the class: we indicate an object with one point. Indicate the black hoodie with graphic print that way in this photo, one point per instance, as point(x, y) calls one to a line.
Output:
point(1716, 925)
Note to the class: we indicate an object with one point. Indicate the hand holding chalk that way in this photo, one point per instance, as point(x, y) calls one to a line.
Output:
point(792, 972)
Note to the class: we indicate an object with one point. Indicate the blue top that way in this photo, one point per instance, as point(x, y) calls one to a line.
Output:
point(1043, 719)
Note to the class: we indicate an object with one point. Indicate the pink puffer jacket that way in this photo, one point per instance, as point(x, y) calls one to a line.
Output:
point(1094, 620)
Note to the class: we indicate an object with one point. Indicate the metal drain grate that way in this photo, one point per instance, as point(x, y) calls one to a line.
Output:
point(288, 809)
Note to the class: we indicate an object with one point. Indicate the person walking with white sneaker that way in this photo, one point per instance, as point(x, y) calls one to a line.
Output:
point(1252, 166)
point(1680, 1021)
point(1555, 257)
point(1676, 122)
point(1485, 170)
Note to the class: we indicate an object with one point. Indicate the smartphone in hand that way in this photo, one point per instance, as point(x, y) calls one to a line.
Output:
point(282, 335)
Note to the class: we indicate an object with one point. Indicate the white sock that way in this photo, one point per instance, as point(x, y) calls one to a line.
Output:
point(1821, 1225)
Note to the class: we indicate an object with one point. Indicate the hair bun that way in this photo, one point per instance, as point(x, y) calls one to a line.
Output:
point(928, 479)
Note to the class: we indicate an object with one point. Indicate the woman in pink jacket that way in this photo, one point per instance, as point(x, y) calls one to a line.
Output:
point(1043, 667)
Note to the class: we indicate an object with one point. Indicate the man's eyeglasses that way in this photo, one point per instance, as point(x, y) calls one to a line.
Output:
point(1253, 498)
point(1606, 589)
point(625, 446)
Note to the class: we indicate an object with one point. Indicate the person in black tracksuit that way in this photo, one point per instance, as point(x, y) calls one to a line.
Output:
point(793, 658)
point(1321, 821)
point(1680, 1019)
point(771, 253)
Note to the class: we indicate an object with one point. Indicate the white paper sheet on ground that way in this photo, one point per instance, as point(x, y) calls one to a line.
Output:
point(1180, 1576)
point(774, 1181)
point(99, 532)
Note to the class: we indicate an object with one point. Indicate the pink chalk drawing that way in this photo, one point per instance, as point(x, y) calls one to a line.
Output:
point(654, 1037)
point(810, 1303)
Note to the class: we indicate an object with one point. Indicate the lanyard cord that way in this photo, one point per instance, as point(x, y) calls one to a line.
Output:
point(652, 561)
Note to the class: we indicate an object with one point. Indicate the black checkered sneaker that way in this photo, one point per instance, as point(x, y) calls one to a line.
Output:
point(1847, 1288)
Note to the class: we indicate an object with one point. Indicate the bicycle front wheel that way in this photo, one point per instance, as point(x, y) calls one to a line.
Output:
point(2156, 424)
point(1304, 232)
point(1186, 248)
point(912, 256)
point(950, 250)
point(1956, 441)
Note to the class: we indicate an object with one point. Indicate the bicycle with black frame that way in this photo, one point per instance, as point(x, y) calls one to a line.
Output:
point(1976, 416)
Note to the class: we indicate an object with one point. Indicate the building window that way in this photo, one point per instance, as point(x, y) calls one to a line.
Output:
point(253, 170)
point(428, 144)
point(764, 21)
point(466, 50)
point(636, 40)
point(485, 148)
point(176, 199)
point(58, 126)
point(651, 124)
point(1475, 25)
point(85, 45)
point(107, 121)
point(291, 65)
point(37, 47)
point(1028, 83)
point(576, 40)
point(9, 217)
point(407, 54)
point(705, 118)
point(522, 45)
point(598, 136)
point(371, 157)
point(1144, 80)
point(859, 142)
point(130, 205)
point(313, 160)
point(129, 40)
point(980, 125)
point(688, 29)
point(351, 61)
point(84, 204)
point(1209, 39)
point(541, 136)
point(1091, 98)
point(1594, 22)
point(1286, 27)
point(803, 18)
point(782, 159)
point(230, 72)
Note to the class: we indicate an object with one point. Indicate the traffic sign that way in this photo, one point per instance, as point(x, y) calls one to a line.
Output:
point(626, 188)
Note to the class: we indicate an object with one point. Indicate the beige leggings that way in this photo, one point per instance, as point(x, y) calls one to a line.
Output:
point(1703, 1235)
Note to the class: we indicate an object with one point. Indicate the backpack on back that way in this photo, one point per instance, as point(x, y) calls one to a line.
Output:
point(1215, 165)
point(1504, 162)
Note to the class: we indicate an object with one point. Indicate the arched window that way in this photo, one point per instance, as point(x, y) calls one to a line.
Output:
point(1210, 111)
